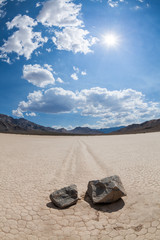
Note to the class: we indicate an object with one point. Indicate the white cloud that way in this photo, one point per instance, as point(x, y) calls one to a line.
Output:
point(5, 58)
point(137, 7)
point(114, 3)
point(32, 114)
point(17, 113)
point(57, 127)
point(2, 2)
point(112, 107)
point(66, 127)
point(37, 75)
point(74, 76)
point(60, 13)
point(76, 69)
point(48, 49)
point(53, 100)
point(37, 53)
point(59, 80)
point(23, 41)
point(65, 15)
point(77, 72)
point(2, 11)
point(83, 73)
point(21, 22)
point(49, 67)
point(38, 4)
point(74, 39)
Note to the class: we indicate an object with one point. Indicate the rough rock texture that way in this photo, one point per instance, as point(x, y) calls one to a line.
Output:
point(107, 190)
point(65, 197)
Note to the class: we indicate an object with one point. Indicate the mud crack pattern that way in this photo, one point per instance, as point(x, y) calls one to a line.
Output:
point(31, 167)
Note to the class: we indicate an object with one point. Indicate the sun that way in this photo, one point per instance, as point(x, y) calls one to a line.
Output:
point(111, 40)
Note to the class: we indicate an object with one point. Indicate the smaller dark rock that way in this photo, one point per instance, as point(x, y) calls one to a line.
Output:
point(65, 197)
point(106, 190)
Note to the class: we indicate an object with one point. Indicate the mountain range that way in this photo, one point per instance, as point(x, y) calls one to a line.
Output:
point(23, 126)
point(145, 127)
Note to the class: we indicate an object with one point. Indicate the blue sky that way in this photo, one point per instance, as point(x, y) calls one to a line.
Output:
point(74, 63)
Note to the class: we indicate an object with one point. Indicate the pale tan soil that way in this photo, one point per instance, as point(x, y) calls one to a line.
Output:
point(31, 167)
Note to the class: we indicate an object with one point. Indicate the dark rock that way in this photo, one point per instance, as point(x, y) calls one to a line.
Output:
point(65, 197)
point(107, 190)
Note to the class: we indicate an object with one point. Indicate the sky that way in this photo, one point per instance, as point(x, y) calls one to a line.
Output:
point(90, 63)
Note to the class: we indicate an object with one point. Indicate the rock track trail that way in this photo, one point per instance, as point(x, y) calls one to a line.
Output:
point(31, 167)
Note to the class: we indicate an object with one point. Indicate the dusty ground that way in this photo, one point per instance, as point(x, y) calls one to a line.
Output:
point(31, 167)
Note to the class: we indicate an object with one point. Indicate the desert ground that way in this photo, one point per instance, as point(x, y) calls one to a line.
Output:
point(31, 167)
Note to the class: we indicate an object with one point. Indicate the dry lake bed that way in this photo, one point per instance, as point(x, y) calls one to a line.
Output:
point(31, 167)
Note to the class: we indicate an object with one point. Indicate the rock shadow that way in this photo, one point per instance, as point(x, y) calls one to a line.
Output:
point(51, 205)
point(105, 207)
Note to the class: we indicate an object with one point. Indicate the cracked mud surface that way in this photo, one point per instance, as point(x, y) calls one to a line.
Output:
point(31, 167)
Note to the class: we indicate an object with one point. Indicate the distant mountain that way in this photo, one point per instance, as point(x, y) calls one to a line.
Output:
point(11, 125)
point(62, 130)
point(84, 130)
point(148, 126)
point(109, 130)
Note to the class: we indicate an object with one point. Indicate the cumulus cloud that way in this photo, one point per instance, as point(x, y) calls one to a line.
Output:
point(53, 100)
point(38, 75)
point(74, 76)
point(17, 113)
point(112, 107)
point(65, 15)
point(74, 39)
point(60, 13)
point(23, 41)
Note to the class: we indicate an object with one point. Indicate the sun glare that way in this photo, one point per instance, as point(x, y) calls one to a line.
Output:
point(111, 40)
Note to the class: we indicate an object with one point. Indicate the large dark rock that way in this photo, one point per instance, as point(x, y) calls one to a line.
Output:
point(65, 197)
point(107, 190)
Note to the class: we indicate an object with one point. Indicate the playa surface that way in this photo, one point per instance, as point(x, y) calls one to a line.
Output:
point(31, 167)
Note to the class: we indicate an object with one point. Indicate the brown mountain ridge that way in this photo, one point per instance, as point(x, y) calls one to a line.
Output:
point(23, 126)
point(148, 126)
